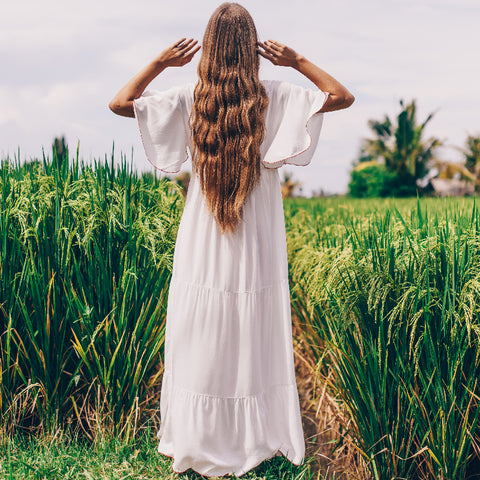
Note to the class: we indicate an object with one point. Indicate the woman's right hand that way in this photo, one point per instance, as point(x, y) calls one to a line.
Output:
point(178, 54)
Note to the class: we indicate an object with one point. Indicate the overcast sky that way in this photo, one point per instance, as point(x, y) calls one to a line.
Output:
point(62, 62)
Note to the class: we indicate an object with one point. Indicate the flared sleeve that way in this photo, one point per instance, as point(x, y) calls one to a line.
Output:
point(292, 124)
point(162, 118)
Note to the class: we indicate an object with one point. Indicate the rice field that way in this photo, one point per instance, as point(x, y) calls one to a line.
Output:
point(384, 297)
point(387, 300)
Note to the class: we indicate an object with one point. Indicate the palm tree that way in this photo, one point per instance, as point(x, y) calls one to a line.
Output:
point(472, 158)
point(472, 153)
point(401, 147)
point(449, 170)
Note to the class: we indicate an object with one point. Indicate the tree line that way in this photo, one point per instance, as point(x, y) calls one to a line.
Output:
point(400, 161)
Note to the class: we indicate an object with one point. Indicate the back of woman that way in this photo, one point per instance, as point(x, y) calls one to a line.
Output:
point(229, 398)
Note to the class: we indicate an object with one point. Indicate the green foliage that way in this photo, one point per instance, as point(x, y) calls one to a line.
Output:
point(59, 151)
point(401, 148)
point(392, 308)
point(372, 180)
point(85, 260)
point(386, 292)
point(472, 153)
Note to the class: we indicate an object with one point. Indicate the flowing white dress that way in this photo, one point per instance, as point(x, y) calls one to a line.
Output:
point(229, 398)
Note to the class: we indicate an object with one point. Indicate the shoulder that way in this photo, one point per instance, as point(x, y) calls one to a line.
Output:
point(176, 98)
point(175, 93)
point(282, 91)
point(276, 87)
point(170, 105)
point(186, 90)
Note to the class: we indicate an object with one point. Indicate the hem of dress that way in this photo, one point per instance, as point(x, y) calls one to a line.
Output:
point(283, 449)
point(259, 460)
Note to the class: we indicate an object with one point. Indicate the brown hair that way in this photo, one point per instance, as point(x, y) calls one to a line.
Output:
point(227, 118)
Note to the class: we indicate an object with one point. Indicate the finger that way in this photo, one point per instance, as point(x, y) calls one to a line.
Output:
point(187, 57)
point(193, 52)
point(176, 44)
point(262, 47)
point(263, 54)
point(268, 49)
point(189, 42)
point(267, 56)
point(278, 44)
point(181, 47)
point(187, 46)
point(277, 49)
point(273, 46)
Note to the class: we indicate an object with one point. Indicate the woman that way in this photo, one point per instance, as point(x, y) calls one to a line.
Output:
point(229, 398)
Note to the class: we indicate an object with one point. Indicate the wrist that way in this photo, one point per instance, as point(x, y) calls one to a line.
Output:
point(300, 61)
point(159, 64)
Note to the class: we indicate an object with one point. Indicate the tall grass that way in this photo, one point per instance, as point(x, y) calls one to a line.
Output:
point(85, 260)
point(386, 293)
point(392, 306)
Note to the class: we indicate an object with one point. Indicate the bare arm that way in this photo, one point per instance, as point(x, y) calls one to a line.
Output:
point(177, 55)
point(339, 97)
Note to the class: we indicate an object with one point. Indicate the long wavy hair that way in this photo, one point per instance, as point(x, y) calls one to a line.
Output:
point(227, 117)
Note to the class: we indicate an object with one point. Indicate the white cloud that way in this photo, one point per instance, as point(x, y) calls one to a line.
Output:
point(62, 62)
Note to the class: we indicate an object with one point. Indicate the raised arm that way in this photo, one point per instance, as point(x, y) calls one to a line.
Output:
point(177, 55)
point(339, 97)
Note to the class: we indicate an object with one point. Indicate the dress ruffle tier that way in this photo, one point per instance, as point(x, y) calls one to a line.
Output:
point(241, 432)
point(227, 399)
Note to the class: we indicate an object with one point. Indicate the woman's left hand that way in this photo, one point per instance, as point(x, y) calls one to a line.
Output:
point(178, 54)
point(278, 53)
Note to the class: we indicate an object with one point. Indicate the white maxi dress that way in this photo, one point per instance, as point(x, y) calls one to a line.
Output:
point(229, 398)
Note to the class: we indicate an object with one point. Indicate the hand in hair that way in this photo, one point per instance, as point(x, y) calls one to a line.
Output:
point(278, 53)
point(339, 97)
point(177, 55)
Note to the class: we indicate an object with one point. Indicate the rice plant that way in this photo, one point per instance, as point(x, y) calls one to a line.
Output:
point(84, 270)
point(392, 307)
point(385, 293)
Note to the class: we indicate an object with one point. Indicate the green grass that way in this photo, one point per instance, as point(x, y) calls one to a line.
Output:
point(68, 458)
